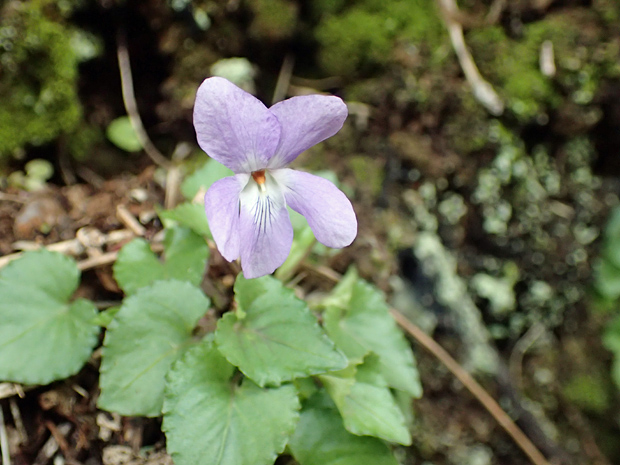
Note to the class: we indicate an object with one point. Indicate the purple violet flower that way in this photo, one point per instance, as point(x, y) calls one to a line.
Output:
point(247, 212)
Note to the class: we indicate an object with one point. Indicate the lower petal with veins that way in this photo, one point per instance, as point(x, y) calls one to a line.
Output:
point(265, 229)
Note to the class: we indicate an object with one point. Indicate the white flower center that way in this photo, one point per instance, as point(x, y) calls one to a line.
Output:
point(262, 199)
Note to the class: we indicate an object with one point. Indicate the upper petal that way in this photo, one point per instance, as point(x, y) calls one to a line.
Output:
point(328, 211)
point(266, 232)
point(234, 127)
point(222, 209)
point(306, 120)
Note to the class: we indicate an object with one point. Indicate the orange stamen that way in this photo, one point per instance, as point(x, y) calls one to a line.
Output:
point(259, 177)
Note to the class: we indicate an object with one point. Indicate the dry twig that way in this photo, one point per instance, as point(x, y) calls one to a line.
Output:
point(22, 434)
point(495, 12)
point(472, 386)
point(4, 441)
point(72, 247)
point(483, 91)
point(51, 445)
point(284, 78)
point(520, 348)
point(130, 221)
point(11, 389)
point(100, 260)
point(131, 106)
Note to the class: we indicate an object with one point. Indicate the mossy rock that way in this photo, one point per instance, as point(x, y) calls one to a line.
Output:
point(467, 127)
point(609, 10)
point(38, 84)
point(369, 174)
point(362, 38)
point(273, 19)
point(588, 391)
point(512, 65)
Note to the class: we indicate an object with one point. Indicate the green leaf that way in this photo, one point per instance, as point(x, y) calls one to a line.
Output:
point(612, 229)
point(151, 330)
point(203, 178)
point(362, 325)
point(248, 290)
point(43, 336)
point(366, 404)
point(122, 134)
point(306, 387)
point(340, 295)
point(302, 244)
point(210, 420)
point(611, 252)
point(189, 215)
point(277, 339)
point(320, 439)
point(106, 317)
point(186, 257)
point(607, 278)
point(611, 336)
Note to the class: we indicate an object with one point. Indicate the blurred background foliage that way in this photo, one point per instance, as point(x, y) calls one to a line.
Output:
point(516, 202)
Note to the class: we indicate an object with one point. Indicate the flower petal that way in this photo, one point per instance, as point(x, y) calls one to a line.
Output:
point(265, 229)
point(222, 209)
point(328, 211)
point(234, 127)
point(306, 120)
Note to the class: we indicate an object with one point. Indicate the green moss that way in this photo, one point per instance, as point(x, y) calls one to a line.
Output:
point(365, 35)
point(273, 19)
point(581, 57)
point(326, 7)
point(513, 65)
point(38, 82)
point(82, 139)
point(609, 10)
point(348, 44)
point(368, 174)
point(588, 391)
point(467, 128)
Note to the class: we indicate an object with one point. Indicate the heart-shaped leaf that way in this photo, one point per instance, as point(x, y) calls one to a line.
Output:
point(276, 339)
point(248, 290)
point(43, 336)
point(210, 420)
point(189, 215)
point(186, 256)
point(359, 322)
point(320, 439)
point(366, 404)
point(150, 331)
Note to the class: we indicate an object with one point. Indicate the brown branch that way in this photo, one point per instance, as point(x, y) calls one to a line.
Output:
point(472, 386)
point(129, 99)
point(99, 260)
point(72, 247)
point(130, 221)
point(11, 389)
point(284, 78)
point(482, 90)
point(4, 441)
